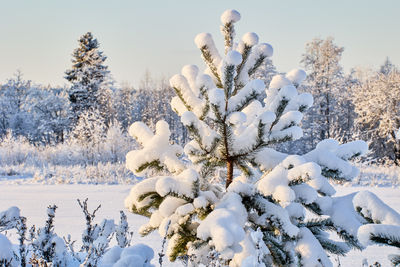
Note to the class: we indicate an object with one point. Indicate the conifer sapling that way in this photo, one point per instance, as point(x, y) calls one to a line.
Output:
point(257, 215)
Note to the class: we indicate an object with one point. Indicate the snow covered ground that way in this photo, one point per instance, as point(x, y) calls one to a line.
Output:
point(33, 199)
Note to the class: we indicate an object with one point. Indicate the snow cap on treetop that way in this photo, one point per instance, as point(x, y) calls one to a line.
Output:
point(250, 38)
point(205, 80)
point(265, 49)
point(296, 76)
point(279, 81)
point(190, 72)
point(233, 58)
point(203, 39)
point(230, 16)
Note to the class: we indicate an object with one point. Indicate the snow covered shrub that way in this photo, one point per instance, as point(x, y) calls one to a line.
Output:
point(15, 150)
point(47, 246)
point(44, 247)
point(122, 233)
point(258, 216)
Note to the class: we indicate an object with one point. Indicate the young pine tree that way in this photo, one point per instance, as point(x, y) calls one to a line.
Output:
point(90, 79)
point(227, 196)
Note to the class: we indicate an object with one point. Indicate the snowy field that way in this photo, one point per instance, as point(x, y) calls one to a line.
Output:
point(33, 200)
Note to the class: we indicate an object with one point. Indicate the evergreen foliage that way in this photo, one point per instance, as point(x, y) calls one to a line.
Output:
point(90, 79)
point(228, 196)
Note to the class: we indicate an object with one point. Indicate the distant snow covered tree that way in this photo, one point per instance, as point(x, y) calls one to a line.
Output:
point(90, 79)
point(325, 83)
point(123, 105)
point(49, 112)
point(227, 197)
point(89, 133)
point(387, 67)
point(343, 127)
point(116, 143)
point(377, 104)
point(14, 116)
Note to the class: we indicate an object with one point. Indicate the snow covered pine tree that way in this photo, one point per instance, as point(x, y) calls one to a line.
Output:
point(90, 79)
point(259, 218)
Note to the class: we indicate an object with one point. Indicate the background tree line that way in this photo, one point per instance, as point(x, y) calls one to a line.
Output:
point(93, 108)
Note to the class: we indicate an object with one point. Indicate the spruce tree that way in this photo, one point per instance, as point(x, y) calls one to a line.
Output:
point(228, 197)
point(89, 78)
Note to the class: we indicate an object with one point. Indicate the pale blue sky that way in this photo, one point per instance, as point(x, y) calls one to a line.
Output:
point(38, 36)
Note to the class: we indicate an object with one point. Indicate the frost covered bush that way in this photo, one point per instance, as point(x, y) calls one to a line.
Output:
point(43, 247)
point(67, 162)
point(14, 151)
point(228, 196)
point(378, 175)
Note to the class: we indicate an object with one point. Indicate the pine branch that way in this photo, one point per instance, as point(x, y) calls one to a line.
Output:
point(154, 202)
point(155, 164)
point(195, 134)
point(314, 208)
point(320, 224)
point(367, 218)
point(279, 111)
point(245, 56)
point(178, 195)
point(247, 155)
point(332, 246)
point(228, 30)
point(395, 260)
point(349, 239)
point(244, 168)
point(219, 120)
point(147, 230)
point(245, 102)
point(277, 249)
point(258, 63)
point(209, 62)
point(283, 139)
point(334, 175)
point(229, 73)
point(180, 95)
point(385, 239)
point(182, 236)
point(206, 109)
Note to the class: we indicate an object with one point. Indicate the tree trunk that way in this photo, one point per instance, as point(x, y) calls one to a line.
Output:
point(397, 152)
point(229, 174)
